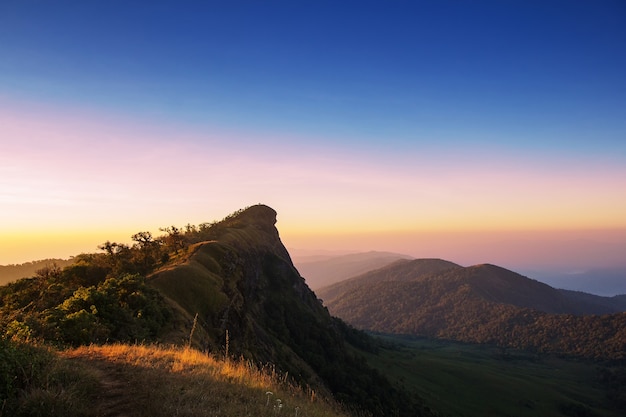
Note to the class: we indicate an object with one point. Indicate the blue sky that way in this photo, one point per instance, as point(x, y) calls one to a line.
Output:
point(534, 73)
point(430, 115)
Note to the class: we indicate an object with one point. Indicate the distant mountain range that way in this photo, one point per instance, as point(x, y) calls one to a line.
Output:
point(324, 268)
point(481, 303)
point(320, 271)
point(14, 272)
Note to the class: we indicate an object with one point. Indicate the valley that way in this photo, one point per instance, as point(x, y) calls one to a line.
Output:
point(459, 379)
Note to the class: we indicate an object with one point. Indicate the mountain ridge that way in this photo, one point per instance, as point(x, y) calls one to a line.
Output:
point(225, 287)
point(481, 304)
point(400, 270)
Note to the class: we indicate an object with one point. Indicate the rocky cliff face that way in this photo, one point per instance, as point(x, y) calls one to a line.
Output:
point(243, 283)
point(250, 300)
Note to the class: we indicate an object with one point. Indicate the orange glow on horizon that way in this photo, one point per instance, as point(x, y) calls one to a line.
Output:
point(68, 184)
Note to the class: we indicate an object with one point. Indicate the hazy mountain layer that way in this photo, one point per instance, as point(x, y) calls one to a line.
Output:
point(328, 270)
point(10, 273)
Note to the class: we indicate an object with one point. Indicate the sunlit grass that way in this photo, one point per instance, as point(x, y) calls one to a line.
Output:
point(168, 381)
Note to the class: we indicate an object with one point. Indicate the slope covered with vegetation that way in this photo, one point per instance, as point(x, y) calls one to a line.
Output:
point(400, 270)
point(226, 287)
point(480, 304)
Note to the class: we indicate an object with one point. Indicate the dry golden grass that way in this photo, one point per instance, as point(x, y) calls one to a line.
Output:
point(175, 381)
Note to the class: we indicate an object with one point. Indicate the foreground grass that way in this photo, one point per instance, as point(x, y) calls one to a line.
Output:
point(136, 381)
point(470, 380)
point(36, 381)
point(157, 381)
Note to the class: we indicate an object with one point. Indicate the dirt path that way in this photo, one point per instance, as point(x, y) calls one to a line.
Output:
point(117, 395)
point(115, 399)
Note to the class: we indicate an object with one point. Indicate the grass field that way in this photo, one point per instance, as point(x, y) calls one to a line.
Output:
point(470, 380)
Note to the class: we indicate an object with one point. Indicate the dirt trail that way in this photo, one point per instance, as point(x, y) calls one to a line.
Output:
point(115, 399)
point(117, 396)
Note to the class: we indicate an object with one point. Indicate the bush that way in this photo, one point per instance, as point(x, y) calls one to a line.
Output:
point(116, 309)
point(35, 382)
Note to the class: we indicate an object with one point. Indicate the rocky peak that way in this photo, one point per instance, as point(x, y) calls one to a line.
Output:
point(258, 215)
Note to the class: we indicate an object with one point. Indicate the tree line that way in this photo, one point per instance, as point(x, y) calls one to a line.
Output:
point(100, 297)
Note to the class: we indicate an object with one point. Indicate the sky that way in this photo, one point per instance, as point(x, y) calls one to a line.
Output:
point(474, 131)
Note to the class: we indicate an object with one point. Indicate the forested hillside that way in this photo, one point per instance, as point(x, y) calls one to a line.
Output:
point(480, 304)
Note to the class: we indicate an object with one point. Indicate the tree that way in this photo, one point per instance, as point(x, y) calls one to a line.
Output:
point(147, 251)
point(49, 272)
point(175, 239)
point(119, 257)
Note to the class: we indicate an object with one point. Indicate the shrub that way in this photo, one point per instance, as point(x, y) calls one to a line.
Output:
point(35, 382)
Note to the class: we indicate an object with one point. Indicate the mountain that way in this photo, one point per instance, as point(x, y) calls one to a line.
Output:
point(482, 304)
point(400, 270)
point(243, 282)
point(597, 303)
point(323, 271)
point(226, 287)
point(14, 272)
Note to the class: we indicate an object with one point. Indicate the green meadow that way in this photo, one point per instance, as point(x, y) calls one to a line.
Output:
point(476, 380)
